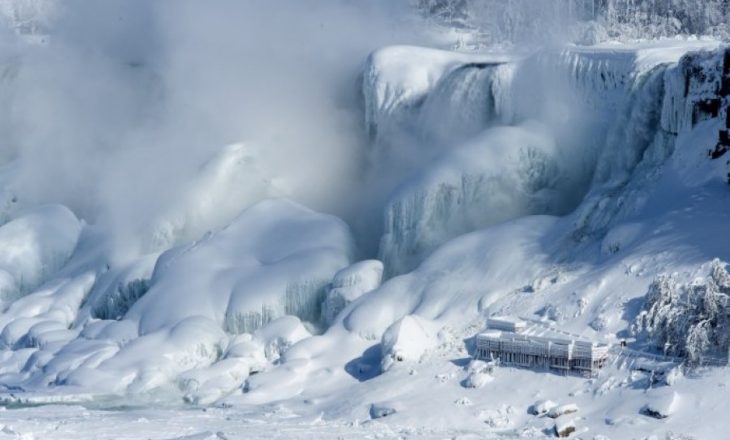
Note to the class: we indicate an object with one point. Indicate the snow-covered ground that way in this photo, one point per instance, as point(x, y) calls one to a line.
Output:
point(319, 267)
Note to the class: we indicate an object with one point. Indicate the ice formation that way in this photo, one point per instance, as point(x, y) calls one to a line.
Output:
point(275, 259)
point(348, 285)
point(35, 245)
point(609, 112)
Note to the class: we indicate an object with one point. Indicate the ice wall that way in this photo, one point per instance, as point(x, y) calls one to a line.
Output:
point(599, 110)
point(664, 102)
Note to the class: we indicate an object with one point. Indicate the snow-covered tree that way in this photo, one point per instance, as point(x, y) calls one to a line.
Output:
point(537, 20)
point(690, 320)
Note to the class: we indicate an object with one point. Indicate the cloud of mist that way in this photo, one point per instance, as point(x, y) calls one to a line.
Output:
point(127, 101)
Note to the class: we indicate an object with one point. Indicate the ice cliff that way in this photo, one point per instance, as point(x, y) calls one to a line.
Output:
point(609, 113)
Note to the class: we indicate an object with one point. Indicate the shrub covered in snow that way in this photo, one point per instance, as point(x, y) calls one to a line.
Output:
point(689, 320)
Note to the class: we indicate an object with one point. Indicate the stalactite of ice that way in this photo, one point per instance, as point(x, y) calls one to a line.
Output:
point(116, 304)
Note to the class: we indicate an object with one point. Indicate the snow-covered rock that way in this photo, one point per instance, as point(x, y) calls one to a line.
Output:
point(564, 427)
point(561, 410)
point(662, 403)
point(230, 181)
point(280, 334)
point(407, 340)
point(384, 409)
point(349, 284)
point(542, 407)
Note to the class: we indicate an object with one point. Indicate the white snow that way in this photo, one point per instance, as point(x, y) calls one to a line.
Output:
point(406, 340)
point(568, 187)
point(349, 284)
point(34, 246)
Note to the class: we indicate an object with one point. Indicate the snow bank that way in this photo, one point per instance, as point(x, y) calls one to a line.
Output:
point(34, 246)
point(275, 259)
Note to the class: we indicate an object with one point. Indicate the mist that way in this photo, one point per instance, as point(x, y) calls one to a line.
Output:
point(120, 109)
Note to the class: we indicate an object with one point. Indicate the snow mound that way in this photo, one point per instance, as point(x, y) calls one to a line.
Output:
point(349, 284)
point(34, 246)
point(406, 340)
point(275, 259)
point(479, 373)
